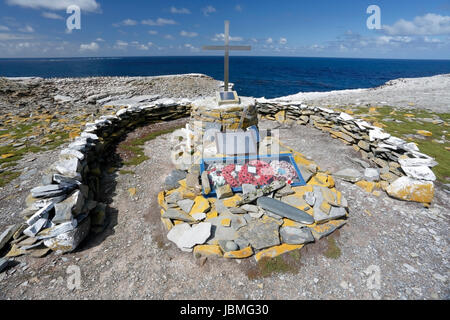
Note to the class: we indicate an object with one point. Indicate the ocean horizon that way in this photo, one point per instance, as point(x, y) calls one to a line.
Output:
point(256, 76)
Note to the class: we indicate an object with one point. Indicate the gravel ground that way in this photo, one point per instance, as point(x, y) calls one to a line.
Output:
point(431, 93)
point(133, 259)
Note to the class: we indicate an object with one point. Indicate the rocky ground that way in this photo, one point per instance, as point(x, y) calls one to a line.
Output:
point(404, 245)
point(430, 93)
point(132, 259)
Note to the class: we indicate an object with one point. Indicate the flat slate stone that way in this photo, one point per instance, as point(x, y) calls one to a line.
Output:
point(261, 233)
point(351, 175)
point(306, 174)
point(49, 191)
point(172, 179)
point(292, 235)
point(69, 241)
point(6, 235)
point(198, 234)
point(186, 205)
point(177, 215)
point(284, 210)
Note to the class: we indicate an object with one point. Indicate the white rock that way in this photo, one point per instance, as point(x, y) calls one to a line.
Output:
point(198, 234)
point(417, 162)
point(199, 216)
point(378, 133)
point(420, 173)
point(177, 232)
point(345, 116)
point(371, 174)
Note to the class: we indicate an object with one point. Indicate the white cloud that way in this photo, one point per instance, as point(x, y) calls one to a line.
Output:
point(126, 23)
point(93, 46)
point(191, 47)
point(51, 15)
point(238, 8)
point(221, 37)
point(153, 32)
point(180, 10)
point(208, 10)
point(158, 22)
point(27, 29)
point(429, 24)
point(85, 5)
point(120, 45)
point(100, 40)
point(283, 41)
point(10, 36)
point(188, 34)
point(269, 41)
point(169, 37)
point(4, 28)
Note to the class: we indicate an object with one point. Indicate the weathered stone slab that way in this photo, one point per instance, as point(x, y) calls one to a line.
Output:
point(32, 230)
point(420, 173)
point(261, 233)
point(265, 190)
point(186, 205)
point(69, 208)
point(6, 235)
point(172, 179)
point(306, 174)
point(224, 192)
point(49, 191)
point(69, 241)
point(4, 263)
point(292, 235)
point(57, 230)
point(177, 215)
point(406, 188)
point(284, 210)
point(371, 174)
point(205, 183)
point(197, 234)
point(323, 230)
point(351, 175)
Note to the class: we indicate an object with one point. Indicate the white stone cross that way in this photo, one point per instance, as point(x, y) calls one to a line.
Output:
point(227, 49)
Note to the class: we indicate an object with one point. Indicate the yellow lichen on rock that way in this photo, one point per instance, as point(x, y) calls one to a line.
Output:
point(226, 222)
point(277, 250)
point(239, 254)
point(161, 200)
point(167, 223)
point(424, 133)
point(208, 250)
point(366, 185)
point(232, 201)
point(409, 189)
point(281, 116)
point(323, 180)
point(212, 214)
point(201, 205)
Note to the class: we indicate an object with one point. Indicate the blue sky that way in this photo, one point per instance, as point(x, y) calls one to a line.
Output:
point(321, 28)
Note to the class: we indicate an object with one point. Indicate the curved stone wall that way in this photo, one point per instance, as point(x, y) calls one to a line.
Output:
point(61, 212)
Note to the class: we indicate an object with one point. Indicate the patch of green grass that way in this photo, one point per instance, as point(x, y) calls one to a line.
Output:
point(126, 172)
point(7, 176)
point(285, 263)
point(333, 251)
point(135, 146)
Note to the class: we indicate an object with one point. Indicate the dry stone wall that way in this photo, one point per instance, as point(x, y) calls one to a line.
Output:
point(404, 171)
point(62, 211)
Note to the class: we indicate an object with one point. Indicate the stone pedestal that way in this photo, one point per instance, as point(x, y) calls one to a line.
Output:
point(206, 114)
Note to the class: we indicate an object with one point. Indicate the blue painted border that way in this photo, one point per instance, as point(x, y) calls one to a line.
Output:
point(257, 157)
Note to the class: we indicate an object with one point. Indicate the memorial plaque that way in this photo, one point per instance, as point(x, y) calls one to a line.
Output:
point(236, 143)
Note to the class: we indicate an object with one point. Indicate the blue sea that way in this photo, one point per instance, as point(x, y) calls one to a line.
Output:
point(253, 76)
